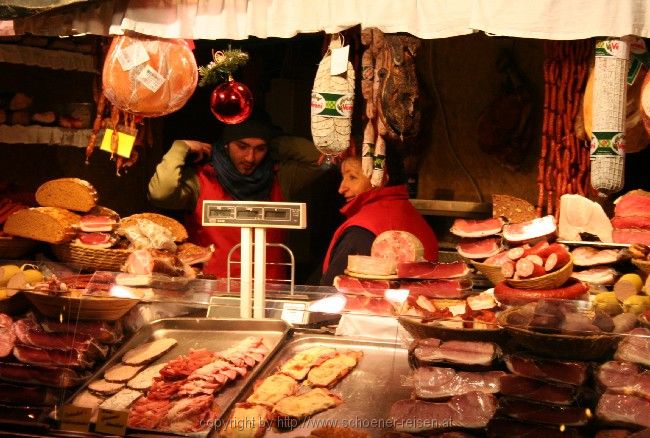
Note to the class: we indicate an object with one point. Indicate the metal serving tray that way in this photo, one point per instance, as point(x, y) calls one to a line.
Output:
point(213, 334)
point(368, 391)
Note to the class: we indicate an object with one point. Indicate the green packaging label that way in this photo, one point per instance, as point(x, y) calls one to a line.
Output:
point(332, 104)
point(611, 144)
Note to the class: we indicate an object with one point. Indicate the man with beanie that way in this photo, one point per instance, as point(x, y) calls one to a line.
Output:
point(236, 167)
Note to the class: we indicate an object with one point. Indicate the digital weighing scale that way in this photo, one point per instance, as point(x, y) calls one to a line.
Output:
point(254, 217)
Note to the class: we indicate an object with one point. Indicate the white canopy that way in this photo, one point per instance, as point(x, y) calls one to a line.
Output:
point(239, 19)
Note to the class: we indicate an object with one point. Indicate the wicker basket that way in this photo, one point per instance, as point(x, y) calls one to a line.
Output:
point(420, 330)
point(558, 345)
point(548, 281)
point(15, 247)
point(96, 259)
point(103, 308)
point(492, 272)
point(643, 265)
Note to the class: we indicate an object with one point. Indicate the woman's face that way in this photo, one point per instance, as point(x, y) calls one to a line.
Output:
point(354, 181)
point(247, 153)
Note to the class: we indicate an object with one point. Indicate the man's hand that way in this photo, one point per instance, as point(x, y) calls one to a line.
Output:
point(199, 151)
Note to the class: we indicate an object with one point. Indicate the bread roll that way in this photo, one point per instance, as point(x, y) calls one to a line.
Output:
point(178, 230)
point(47, 224)
point(70, 193)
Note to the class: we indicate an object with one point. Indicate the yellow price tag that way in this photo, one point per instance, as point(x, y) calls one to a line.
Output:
point(124, 144)
point(75, 418)
point(111, 422)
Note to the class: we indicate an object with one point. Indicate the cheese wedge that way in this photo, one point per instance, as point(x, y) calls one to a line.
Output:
point(306, 405)
point(333, 370)
point(272, 389)
point(300, 364)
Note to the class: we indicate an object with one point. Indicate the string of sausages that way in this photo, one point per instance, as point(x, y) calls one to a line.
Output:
point(564, 160)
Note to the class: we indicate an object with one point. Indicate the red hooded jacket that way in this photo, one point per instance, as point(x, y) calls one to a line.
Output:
point(384, 209)
point(224, 238)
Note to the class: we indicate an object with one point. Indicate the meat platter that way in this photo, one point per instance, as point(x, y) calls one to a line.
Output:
point(367, 393)
point(187, 336)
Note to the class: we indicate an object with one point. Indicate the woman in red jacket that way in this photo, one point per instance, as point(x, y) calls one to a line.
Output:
point(370, 211)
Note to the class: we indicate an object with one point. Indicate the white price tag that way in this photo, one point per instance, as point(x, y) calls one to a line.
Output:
point(339, 60)
point(293, 313)
point(150, 78)
point(132, 56)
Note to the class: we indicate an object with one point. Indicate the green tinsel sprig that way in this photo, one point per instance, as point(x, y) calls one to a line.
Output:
point(220, 69)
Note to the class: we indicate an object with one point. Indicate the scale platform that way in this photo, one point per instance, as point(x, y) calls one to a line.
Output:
point(290, 308)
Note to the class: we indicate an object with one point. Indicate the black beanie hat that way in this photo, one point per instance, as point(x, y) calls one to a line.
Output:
point(253, 127)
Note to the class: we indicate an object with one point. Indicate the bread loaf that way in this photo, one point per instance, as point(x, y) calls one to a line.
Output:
point(47, 224)
point(515, 210)
point(148, 352)
point(121, 373)
point(178, 230)
point(70, 193)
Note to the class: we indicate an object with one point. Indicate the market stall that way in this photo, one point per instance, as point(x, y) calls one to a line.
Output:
point(534, 318)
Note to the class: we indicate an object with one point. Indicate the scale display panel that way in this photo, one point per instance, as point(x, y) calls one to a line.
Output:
point(256, 214)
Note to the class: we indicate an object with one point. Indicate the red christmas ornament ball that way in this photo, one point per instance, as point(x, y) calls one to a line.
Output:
point(231, 102)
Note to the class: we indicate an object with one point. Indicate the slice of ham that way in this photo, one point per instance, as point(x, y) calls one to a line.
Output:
point(581, 215)
point(7, 335)
point(92, 223)
point(479, 249)
point(627, 409)
point(624, 378)
point(30, 333)
point(476, 228)
point(633, 203)
point(470, 410)
point(347, 284)
point(438, 288)
point(570, 372)
point(590, 256)
point(101, 331)
point(95, 240)
point(631, 235)
point(432, 270)
point(51, 357)
point(602, 275)
point(436, 382)
point(530, 230)
point(635, 348)
point(497, 259)
point(536, 390)
point(459, 352)
point(398, 246)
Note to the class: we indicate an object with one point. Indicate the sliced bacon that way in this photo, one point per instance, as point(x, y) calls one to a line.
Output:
point(536, 390)
point(460, 352)
point(570, 372)
point(635, 348)
point(182, 366)
point(627, 409)
point(530, 230)
point(347, 284)
point(438, 382)
point(164, 389)
point(544, 413)
point(147, 413)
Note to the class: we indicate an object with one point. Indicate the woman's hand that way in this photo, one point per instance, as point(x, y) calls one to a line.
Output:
point(199, 151)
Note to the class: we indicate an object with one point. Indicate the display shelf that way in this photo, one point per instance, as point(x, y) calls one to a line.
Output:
point(44, 135)
point(47, 58)
point(432, 207)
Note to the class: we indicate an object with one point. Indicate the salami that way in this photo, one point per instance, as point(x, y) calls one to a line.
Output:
point(148, 76)
point(399, 246)
point(572, 290)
